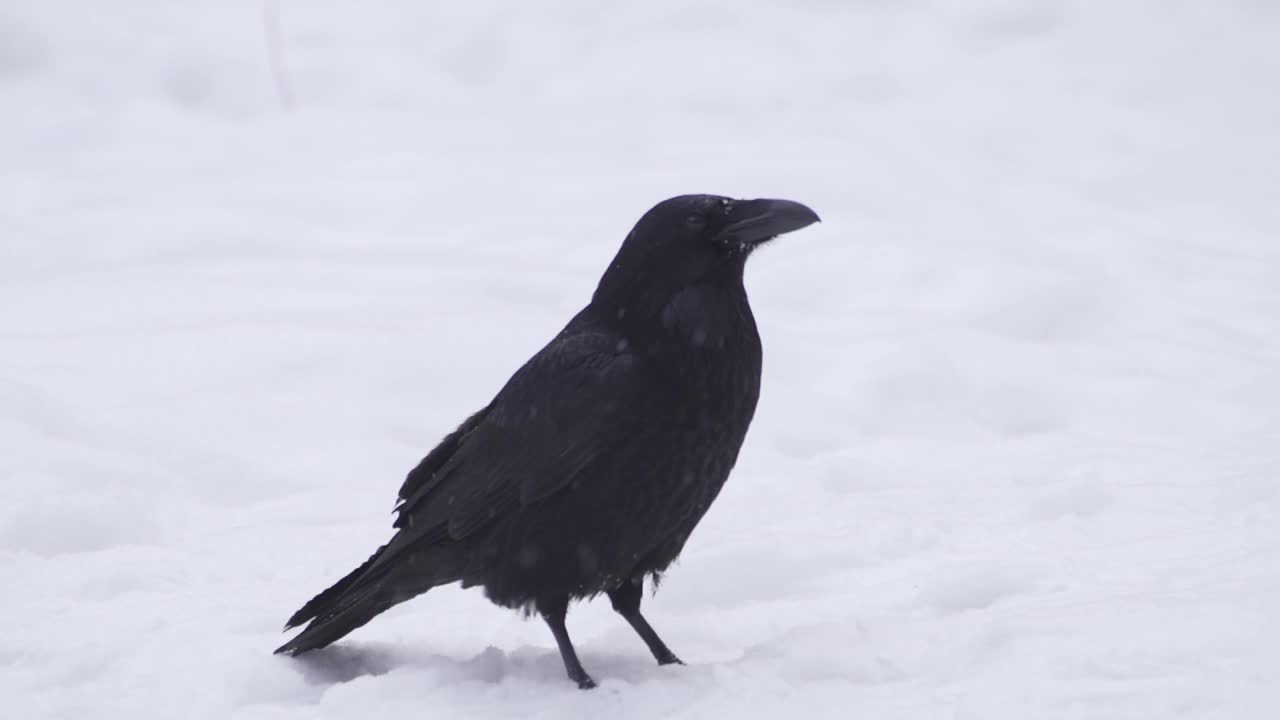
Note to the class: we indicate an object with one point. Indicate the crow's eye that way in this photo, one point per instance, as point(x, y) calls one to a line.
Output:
point(695, 221)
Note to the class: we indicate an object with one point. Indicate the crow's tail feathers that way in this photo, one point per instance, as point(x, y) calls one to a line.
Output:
point(326, 629)
point(328, 600)
point(355, 600)
point(350, 603)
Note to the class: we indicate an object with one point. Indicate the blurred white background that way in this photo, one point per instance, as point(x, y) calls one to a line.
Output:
point(1018, 453)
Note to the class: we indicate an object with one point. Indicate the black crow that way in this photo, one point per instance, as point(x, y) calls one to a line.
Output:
point(597, 459)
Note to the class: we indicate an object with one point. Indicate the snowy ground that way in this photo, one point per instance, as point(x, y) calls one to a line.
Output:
point(1018, 453)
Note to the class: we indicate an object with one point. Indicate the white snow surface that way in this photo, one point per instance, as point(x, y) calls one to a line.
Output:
point(1018, 450)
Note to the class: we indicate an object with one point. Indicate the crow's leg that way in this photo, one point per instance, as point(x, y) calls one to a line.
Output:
point(554, 611)
point(626, 600)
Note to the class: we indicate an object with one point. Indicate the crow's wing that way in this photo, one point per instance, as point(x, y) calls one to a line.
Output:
point(574, 402)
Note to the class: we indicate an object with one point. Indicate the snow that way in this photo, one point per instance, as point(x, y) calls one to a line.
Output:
point(1018, 452)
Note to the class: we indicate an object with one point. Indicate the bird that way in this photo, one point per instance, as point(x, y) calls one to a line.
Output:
point(590, 468)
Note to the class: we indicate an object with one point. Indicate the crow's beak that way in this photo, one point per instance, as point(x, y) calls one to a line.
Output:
point(751, 222)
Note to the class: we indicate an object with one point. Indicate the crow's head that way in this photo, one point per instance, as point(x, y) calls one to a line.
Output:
point(724, 226)
point(691, 239)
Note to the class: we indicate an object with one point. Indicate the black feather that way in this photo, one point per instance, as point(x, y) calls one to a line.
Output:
point(590, 469)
